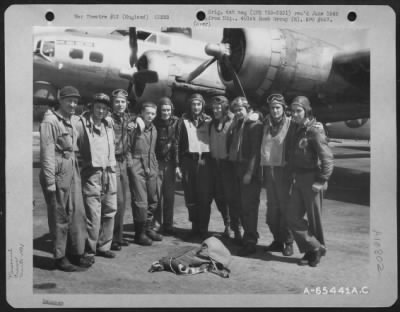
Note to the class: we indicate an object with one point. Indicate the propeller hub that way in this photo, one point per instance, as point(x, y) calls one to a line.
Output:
point(218, 50)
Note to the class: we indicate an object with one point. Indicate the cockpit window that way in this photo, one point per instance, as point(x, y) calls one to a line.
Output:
point(96, 57)
point(76, 54)
point(142, 35)
point(38, 44)
point(152, 38)
point(48, 48)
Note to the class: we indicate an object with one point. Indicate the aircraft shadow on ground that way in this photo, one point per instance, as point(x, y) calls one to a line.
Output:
point(349, 186)
point(43, 243)
point(360, 148)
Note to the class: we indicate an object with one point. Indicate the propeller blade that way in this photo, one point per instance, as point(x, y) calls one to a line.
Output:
point(145, 76)
point(236, 80)
point(199, 70)
point(133, 46)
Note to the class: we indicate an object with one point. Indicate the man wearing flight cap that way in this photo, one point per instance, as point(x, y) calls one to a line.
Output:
point(311, 162)
point(166, 147)
point(96, 145)
point(222, 168)
point(194, 164)
point(61, 182)
point(244, 140)
point(123, 124)
point(276, 176)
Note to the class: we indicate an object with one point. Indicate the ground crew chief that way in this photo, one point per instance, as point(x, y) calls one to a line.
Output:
point(142, 172)
point(311, 163)
point(99, 185)
point(276, 175)
point(194, 164)
point(166, 149)
point(244, 141)
point(123, 124)
point(61, 182)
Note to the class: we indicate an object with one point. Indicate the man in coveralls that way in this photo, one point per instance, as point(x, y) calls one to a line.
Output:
point(222, 168)
point(311, 163)
point(244, 141)
point(194, 164)
point(142, 172)
point(276, 174)
point(166, 148)
point(99, 184)
point(123, 124)
point(61, 182)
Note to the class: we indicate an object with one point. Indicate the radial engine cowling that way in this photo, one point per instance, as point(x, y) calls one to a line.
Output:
point(276, 60)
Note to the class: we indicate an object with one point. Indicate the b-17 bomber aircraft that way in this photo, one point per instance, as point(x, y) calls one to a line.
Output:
point(251, 62)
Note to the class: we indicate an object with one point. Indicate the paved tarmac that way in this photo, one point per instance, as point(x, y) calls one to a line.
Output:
point(346, 222)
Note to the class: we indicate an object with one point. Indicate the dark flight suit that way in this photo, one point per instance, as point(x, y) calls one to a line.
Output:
point(194, 161)
point(142, 172)
point(276, 177)
point(167, 161)
point(245, 154)
point(223, 174)
point(123, 125)
point(310, 160)
point(99, 183)
point(59, 167)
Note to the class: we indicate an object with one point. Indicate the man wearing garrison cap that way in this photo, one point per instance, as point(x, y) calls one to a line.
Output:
point(194, 164)
point(276, 176)
point(243, 142)
point(61, 182)
point(310, 161)
point(123, 123)
point(96, 146)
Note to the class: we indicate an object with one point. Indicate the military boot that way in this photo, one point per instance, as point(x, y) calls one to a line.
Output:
point(238, 239)
point(151, 233)
point(140, 235)
point(63, 264)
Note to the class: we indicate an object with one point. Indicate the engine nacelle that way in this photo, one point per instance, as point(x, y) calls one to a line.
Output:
point(170, 67)
point(276, 60)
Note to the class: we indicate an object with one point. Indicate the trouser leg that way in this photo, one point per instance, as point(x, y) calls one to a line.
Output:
point(204, 194)
point(108, 210)
point(231, 189)
point(277, 186)
point(92, 201)
point(138, 193)
point(299, 205)
point(282, 192)
point(77, 231)
point(122, 187)
point(152, 198)
point(250, 194)
point(58, 217)
point(218, 191)
point(168, 194)
point(189, 184)
point(273, 204)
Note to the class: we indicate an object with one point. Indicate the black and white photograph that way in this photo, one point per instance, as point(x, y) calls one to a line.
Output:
point(230, 154)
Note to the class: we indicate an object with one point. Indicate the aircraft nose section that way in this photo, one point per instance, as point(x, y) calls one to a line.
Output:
point(217, 49)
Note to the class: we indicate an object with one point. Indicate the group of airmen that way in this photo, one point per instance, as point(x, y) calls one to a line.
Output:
point(225, 157)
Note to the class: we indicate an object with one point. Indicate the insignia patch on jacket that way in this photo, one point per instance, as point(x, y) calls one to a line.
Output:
point(131, 125)
point(303, 143)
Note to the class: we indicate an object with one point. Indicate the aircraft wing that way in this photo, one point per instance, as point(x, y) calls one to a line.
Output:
point(353, 67)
